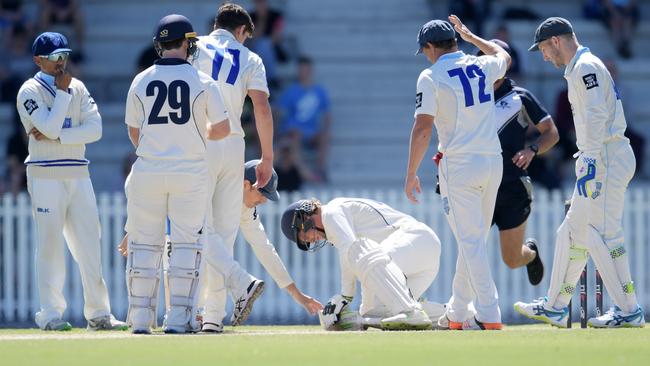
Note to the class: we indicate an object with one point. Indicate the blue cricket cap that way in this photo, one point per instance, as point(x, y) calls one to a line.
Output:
point(270, 190)
point(435, 31)
point(48, 43)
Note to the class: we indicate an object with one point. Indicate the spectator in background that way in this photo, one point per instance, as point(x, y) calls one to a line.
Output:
point(306, 116)
point(11, 14)
point(147, 58)
point(16, 153)
point(503, 33)
point(474, 12)
point(267, 38)
point(65, 17)
point(18, 66)
point(290, 169)
point(619, 16)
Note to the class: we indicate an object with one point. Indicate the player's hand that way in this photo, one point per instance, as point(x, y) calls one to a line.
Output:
point(122, 247)
point(38, 135)
point(63, 80)
point(461, 28)
point(523, 158)
point(311, 305)
point(412, 182)
point(263, 172)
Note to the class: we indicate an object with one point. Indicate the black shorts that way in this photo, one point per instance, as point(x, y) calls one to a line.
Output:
point(513, 204)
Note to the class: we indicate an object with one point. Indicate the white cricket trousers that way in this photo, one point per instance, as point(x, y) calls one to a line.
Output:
point(226, 188)
point(468, 187)
point(415, 248)
point(68, 207)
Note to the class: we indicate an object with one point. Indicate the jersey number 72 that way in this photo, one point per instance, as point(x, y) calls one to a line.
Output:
point(470, 72)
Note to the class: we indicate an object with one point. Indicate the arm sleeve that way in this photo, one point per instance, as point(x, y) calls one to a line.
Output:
point(254, 233)
point(134, 115)
point(426, 95)
point(257, 79)
point(494, 67)
point(90, 126)
point(592, 93)
point(534, 109)
point(216, 108)
point(34, 112)
point(348, 281)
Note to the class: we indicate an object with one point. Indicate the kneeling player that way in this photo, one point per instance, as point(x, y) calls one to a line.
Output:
point(394, 256)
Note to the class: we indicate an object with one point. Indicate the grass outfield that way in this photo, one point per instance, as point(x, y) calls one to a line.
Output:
point(308, 345)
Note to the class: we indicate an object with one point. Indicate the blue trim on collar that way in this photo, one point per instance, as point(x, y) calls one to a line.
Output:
point(579, 52)
point(47, 81)
point(452, 55)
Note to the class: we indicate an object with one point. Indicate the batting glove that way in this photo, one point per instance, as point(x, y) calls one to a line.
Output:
point(588, 172)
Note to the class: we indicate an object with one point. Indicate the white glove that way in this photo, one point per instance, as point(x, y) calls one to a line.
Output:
point(330, 315)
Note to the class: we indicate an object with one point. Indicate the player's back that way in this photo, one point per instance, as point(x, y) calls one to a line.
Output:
point(234, 67)
point(464, 94)
point(168, 102)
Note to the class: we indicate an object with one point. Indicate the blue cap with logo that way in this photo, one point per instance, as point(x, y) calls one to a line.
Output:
point(270, 190)
point(435, 31)
point(48, 43)
point(173, 27)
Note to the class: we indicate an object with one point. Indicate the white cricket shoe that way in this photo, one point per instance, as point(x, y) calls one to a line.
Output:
point(415, 319)
point(244, 303)
point(107, 322)
point(540, 310)
point(209, 327)
point(616, 318)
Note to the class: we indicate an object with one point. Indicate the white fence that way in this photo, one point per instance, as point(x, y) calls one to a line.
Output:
point(316, 274)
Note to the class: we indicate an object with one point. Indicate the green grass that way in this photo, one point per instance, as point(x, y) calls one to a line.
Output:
point(305, 345)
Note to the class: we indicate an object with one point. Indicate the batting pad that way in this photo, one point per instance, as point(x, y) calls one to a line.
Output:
point(183, 275)
point(568, 262)
point(143, 275)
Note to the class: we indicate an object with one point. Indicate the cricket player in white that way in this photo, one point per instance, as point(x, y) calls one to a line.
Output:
point(394, 256)
point(61, 117)
point(457, 91)
point(605, 165)
point(171, 110)
point(237, 279)
point(238, 72)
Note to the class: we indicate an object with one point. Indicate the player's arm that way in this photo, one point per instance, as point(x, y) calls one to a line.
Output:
point(264, 126)
point(34, 112)
point(548, 134)
point(218, 125)
point(425, 110)
point(589, 81)
point(90, 127)
point(488, 48)
point(134, 115)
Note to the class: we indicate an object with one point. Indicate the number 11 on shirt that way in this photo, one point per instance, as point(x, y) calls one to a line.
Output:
point(219, 55)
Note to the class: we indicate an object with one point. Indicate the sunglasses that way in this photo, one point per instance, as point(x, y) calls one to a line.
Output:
point(57, 56)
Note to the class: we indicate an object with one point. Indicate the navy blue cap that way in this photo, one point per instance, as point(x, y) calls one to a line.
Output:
point(48, 43)
point(270, 190)
point(435, 31)
point(173, 27)
point(553, 26)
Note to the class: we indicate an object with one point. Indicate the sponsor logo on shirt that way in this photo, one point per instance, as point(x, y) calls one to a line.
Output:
point(590, 81)
point(503, 104)
point(418, 100)
point(67, 123)
point(42, 210)
point(30, 106)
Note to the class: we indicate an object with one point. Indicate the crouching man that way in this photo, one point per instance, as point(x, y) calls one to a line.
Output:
point(394, 257)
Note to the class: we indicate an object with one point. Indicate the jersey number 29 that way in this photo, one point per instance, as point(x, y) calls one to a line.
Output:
point(177, 95)
point(471, 72)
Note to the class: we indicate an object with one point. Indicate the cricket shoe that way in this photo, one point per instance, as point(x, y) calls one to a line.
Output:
point(58, 325)
point(415, 319)
point(473, 324)
point(107, 322)
point(244, 304)
point(535, 268)
point(616, 318)
point(540, 310)
point(445, 324)
point(209, 327)
point(141, 320)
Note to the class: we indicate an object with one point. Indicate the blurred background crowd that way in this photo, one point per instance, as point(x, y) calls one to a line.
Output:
point(342, 76)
